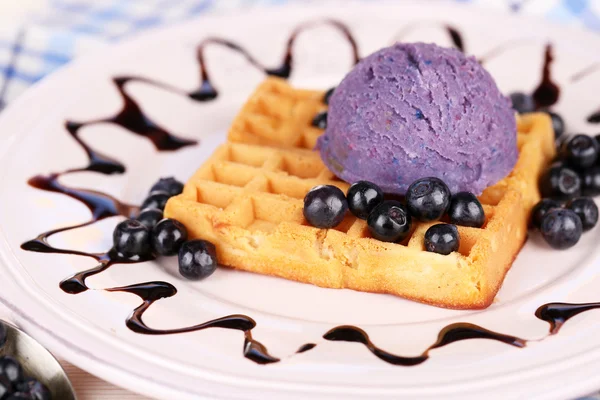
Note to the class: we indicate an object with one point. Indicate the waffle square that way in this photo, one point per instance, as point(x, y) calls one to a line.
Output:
point(247, 199)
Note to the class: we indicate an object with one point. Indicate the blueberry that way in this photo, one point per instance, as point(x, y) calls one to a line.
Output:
point(325, 206)
point(168, 236)
point(3, 335)
point(320, 120)
point(560, 182)
point(586, 210)
point(131, 239)
point(590, 181)
point(390, 221)
point(580, 151)
point(156, 200)
point(522, 102)
point(362, 197)
point(150, 217)
point(428, 199)
point(540, 209)
point(466, 210)
point(33, 388)
point(11, 369)
point(169, 185)
point(442, 239)
point(558, 124)
point(561, 228)
point(197, 259)
point(327, 95)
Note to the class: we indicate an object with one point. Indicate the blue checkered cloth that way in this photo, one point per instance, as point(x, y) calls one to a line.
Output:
point(64, 29)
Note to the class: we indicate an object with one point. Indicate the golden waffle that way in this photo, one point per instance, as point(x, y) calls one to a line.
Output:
point(247, 199)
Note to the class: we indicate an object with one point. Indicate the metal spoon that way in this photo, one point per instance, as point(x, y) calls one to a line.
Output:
point(36, 361)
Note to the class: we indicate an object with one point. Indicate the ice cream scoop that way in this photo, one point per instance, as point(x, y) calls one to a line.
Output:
point(417, 110)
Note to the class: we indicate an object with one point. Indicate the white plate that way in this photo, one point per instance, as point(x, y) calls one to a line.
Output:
point(89, 329)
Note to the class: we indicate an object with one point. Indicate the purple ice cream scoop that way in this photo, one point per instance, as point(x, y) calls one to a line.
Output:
point(415, 110)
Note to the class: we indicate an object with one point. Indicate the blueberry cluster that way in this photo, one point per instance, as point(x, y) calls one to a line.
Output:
point(576, 171)
point(427, 199)
point(563, 215)
point(562, 225)
point(151, 234)
point(14, 385)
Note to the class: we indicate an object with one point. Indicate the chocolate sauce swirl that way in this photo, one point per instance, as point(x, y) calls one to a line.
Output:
point(449, 334)
point(150, 292)
point(306, 347)
point(347, 333)
point(556, 314)
point(547, 92)
point(208, 91)
point(132, 118)
point(101, 206)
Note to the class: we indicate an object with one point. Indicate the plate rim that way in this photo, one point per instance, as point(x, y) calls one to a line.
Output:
point(49, 82)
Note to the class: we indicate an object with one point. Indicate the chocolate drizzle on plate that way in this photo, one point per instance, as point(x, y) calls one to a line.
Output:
point(132, 118)
point(347, 333)
point(556, 314)
point(150, 292)
point(449, 334)
point(306, 347)
point(101, 206)
point(547, 92)
point(465, 331)
point(283, 70)
point(594, 117)
point(456, 37)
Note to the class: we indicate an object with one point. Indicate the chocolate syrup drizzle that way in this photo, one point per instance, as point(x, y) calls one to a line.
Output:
point(547, 92)
point(207, 90)
point(450, 334)
point(150, 292)
point(133, 119)
point(556, 314)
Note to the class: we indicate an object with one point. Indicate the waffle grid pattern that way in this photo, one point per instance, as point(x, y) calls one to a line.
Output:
point(248, 199)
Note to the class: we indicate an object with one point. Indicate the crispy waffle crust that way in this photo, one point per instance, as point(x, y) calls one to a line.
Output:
point(247, 199)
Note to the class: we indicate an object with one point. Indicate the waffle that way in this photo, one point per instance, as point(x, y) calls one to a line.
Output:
point(247, 199)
